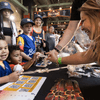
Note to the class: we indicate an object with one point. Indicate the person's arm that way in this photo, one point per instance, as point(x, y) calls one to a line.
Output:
point(44, 44)
point(10, 78)
point(25, 56)
point(43, 35)
point(68, 33)
point(31, 62)
point(67, 36)
point(20, 42)
point(28, 64)
point(78, 58)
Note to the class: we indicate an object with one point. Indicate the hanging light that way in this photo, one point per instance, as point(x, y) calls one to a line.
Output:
point(64, 22)
point(60, 8)
point(49, 8)
point(39, 10)
point(53, 10)
point(70, 7)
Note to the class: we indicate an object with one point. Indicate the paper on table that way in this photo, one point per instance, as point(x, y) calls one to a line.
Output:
point(34, 91)
point(14, 95)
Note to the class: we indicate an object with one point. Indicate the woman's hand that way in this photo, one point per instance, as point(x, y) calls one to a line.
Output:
point(13, 77)
point(53, 52)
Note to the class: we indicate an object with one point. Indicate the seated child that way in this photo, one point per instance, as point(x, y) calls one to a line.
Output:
point(25, 41)
point(16, 58)
point(6, 74)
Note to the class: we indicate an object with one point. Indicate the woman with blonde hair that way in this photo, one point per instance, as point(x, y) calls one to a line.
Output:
point(90, 23)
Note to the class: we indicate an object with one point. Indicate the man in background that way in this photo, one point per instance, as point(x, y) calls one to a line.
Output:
point(50, 38)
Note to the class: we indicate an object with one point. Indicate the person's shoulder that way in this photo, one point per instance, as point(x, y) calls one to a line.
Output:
point(47, 34)
point(22, 35)
point(5, 62)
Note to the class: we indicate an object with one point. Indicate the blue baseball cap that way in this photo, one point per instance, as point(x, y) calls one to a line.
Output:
point(38, 16)
point(5, 5)
point(25, 21)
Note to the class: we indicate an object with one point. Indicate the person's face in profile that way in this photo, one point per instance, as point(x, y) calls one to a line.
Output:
point(87, 26)
point(6, 13)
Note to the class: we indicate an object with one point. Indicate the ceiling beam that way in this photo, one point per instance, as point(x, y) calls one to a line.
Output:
point(36, 2)
point(48, 2)
point(17, 3)
point(52, 1)
point(51, 5)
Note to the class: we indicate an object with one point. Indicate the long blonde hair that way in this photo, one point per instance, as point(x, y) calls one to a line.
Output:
point(92, 10)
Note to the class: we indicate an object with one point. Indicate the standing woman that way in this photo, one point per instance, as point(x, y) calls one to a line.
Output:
point(38, 32)
point(7, 27)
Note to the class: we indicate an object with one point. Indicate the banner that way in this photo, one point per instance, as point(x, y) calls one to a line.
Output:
point(54, 13)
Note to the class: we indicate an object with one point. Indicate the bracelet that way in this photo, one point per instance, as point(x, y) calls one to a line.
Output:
point(59, 60)
point(56, 49)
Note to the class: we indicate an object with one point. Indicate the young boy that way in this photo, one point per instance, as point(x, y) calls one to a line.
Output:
point(6, 74)
point(16, 58)
point(25, 41)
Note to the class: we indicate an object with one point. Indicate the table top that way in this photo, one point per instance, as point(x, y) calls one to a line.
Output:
point(90, 86)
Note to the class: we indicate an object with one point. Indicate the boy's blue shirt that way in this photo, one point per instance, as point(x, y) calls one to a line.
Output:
point(6, 71)
point(29, 45)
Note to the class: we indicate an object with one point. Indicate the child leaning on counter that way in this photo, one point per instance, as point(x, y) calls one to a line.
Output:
point(15, 58)
point(6, 74)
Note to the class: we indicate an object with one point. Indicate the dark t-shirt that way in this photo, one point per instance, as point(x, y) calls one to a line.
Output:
point(75, 14)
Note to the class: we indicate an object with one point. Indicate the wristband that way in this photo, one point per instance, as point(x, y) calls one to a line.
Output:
point(59, 60)
point(56, 49)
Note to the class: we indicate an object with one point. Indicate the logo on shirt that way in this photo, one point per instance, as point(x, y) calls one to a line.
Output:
point(20, 43)
point(5, 4)
point(31, 52)
point(28, 19)
point(39, 15)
